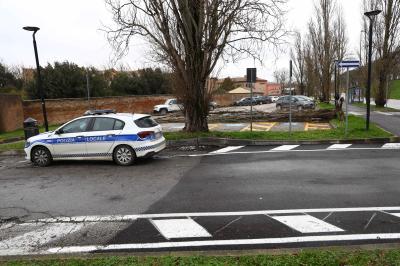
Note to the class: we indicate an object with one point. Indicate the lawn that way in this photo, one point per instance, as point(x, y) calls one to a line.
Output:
point(356, 131)
point(395, 90)
point(19, 145)
point(355, 258)
point(19, 133)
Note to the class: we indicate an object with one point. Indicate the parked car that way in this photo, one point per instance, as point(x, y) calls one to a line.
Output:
point(170, 105)
point(274, 98)
point(263, 99)
point(298, 102)
point(245, 101)
point(212, 105)
point(99, 135)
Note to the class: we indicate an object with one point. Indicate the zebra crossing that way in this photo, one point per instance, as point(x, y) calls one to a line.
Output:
point(311, 147)
point(175, 231)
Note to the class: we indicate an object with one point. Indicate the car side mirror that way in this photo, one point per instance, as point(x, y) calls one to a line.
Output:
point(58, 132)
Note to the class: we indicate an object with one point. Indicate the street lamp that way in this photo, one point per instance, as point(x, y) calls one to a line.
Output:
point(39, 78)
point(371, 15)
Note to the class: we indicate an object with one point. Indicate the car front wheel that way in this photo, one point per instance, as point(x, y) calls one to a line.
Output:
point(41, 156)
point(124, 155)
point(278, 107)
point(299, 108)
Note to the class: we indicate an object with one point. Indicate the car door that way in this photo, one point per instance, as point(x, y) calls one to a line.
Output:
point(174, 105)
point(69, 141)
point(102, 136)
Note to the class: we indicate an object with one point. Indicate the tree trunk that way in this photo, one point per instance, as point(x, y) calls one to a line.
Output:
point(196, 108)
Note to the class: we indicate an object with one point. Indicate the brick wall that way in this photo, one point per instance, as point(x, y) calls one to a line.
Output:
point(14, 111)
point(11, 112)
point(63, 110)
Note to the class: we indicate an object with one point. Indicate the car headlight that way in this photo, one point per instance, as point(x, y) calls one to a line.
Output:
point(27, 144)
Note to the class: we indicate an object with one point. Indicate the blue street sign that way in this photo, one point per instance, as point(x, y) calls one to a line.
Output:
point(348, 63)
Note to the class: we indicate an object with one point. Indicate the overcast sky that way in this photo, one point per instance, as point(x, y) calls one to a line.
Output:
point(70, 31)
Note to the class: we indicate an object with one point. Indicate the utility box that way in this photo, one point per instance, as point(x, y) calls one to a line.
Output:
point(31, 128)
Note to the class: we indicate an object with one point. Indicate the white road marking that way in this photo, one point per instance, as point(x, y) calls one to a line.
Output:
point(227, 149)
point(394, 214)
point(233, 242)
point(237, 213)
point(95, 218)
point(285, 148)
point(391, 146)
point(276, 151)
point(180, 228)
point(32, 240)
point(383, 113)
point(338, 146)
point(307, 224)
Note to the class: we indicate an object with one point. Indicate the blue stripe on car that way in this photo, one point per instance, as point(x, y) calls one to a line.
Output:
point(91, 139)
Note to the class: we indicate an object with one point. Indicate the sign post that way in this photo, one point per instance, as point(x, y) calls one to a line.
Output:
point(251, 78)
point(348, 64)
point(290, 98)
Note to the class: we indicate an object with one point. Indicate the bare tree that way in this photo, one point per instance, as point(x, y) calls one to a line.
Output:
point(281, 77)
point(386, 42)
point(191, 36)
point(321, 36)
point(298, 58)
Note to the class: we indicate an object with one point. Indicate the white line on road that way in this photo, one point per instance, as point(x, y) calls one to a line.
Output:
point(338, 146)
point(383, 113)
point(285, 148)
point(278, 151)
point(238, 213)
point(32, 240)
point(227, 149)
point(391, 146)
point(307, 224)
point(179, 228)
point(233, 242)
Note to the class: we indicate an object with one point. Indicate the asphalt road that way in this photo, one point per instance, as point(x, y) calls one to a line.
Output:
point(200, 201)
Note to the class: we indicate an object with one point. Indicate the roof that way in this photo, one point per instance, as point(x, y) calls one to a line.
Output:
point(239, 90)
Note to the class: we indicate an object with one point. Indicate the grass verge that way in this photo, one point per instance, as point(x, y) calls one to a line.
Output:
point(19, 145)
point(395, 90)
point(20, 132)
point(376, 108)
point(326, 106)
point(355, 258)
point(356, 131)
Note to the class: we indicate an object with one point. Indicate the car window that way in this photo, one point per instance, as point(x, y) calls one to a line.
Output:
point(103, 124)
point(76, 126)
point(173, 102)
point(119, 125)
point(146, 122)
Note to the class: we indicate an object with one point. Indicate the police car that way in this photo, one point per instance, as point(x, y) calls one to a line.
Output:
point(99, 135)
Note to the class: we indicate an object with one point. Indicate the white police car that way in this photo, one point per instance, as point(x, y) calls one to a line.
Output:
point(100, 135)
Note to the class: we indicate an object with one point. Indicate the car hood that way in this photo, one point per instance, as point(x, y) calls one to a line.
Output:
point(160, 106)
point(41, 136)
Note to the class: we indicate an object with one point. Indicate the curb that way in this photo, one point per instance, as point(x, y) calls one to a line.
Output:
point(208, 141)
point(10, 140)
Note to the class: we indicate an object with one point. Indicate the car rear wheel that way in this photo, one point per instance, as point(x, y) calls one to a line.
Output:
point(163, 111)
point(41, 156)
point(124, 155)
point(279, 107)
point(299, 108)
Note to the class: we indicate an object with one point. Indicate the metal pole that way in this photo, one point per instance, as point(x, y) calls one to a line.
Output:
point(87, 87)
point(251, 107)
point(387, 90)
point(290, 99)
point(39, 84)
point(368, 93)
point(347, 102)
point(336, 93)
